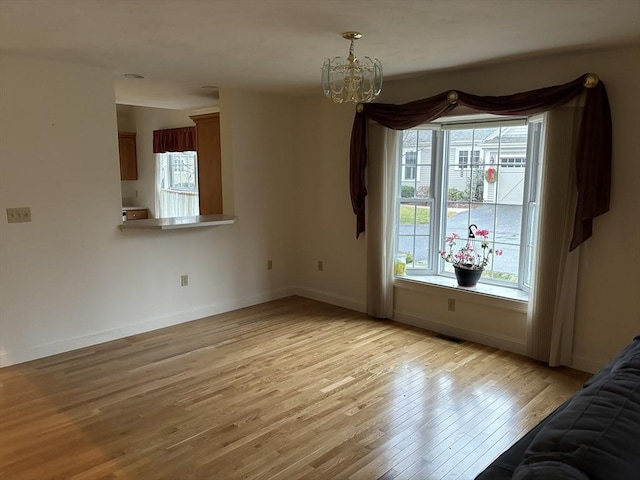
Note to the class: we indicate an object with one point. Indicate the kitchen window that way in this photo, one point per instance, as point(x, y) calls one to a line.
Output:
point(177, 184)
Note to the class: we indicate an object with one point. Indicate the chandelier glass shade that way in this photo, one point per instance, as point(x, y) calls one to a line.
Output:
point(352, 79)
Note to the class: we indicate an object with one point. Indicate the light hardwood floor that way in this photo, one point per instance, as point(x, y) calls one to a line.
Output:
point(289, 389)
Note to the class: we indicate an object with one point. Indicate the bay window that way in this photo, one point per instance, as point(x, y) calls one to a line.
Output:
point(481, 171)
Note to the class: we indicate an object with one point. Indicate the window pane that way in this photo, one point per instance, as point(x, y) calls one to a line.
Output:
point(476, 183)
point(421, 253)
point(414, 219)
point(503, 223)
point(476, 188)
point(508, 224)
point(505, 266)
point(423, 182)
point(182, 171)
point(425, 143)
point(423, 189)
point(457, 220)
point(510, 184)
point(407, 218)
point(414, 209)
point(458, 184)
point(406, 247)
point(485, 138)
point(448, 268)
point(415, 173)
point(410, 161)
point(484, 217)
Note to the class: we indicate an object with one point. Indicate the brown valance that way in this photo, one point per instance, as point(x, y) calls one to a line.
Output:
point(174, 140)
point(593, 157)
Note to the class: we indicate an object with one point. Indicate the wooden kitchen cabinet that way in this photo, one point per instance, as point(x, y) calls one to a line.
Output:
point(128, 158)
point(137, 214)
point(209, 163)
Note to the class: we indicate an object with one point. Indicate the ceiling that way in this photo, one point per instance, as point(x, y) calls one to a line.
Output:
point(279, 45)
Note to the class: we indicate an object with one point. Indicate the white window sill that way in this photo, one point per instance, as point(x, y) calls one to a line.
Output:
point(516, 299)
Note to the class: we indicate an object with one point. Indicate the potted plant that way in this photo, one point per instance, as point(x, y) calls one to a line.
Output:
point(469, 261)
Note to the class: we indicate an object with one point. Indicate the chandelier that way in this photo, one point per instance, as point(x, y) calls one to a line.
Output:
point(352, 80)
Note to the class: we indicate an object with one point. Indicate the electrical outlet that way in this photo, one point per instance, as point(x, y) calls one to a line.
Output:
point(452, 305)
point(320, 265)
point(184, 280)
point(269, 265)
point(18, 215)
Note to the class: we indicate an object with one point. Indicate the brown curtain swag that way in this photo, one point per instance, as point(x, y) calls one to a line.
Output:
point(593, 157)
point(175, 140)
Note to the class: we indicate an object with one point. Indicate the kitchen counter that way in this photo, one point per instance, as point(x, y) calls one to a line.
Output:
point(196, 221)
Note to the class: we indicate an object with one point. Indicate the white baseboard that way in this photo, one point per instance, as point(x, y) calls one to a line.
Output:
point(510, 344)
point(67, 345)
point(502, 342)
point(332, 298)
point(586, 364)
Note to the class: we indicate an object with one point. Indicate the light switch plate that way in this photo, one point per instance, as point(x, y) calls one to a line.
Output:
point(18, 215)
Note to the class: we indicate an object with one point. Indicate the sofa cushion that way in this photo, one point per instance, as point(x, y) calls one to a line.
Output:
point(596, 432)
point(548, 470)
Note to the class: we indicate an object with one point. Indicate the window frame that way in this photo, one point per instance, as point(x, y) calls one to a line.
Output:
point(534, 162)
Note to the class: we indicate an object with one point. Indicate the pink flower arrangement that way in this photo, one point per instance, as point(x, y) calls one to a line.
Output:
point(468, 256)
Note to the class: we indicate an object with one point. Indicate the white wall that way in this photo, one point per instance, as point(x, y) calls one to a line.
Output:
point(70, 278)
point(608, 314)
point(256, 133)
point(325, 225)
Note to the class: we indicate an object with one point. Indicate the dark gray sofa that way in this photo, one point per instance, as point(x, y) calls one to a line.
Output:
point(593, 435)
